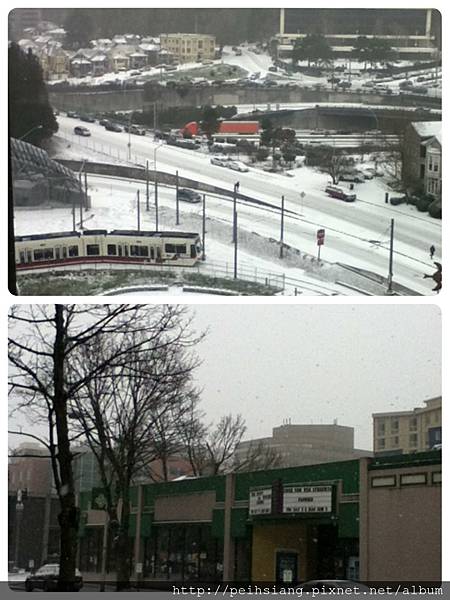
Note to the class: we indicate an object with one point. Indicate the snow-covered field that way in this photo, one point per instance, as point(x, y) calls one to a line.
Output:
point(356, 234)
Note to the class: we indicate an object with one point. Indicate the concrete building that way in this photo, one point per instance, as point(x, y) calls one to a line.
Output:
point(411, 43)
point(306, 444)
point(404, 432)
point(30, 469)
point(400, 518)
point(358, 519)
point(189, 47)
point(415, 165)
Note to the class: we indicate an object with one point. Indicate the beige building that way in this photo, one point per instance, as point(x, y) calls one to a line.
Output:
point(298, 445)
point(433, 166)
point(400, 519)
point(189, 47)
point(408, 431)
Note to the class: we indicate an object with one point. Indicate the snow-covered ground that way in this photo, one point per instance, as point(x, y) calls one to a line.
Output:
point(257, 65)
point(356, 234)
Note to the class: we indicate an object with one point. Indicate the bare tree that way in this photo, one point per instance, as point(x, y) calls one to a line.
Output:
point(329, 160)
point(43, 347)
point(258, 457)
point(127, 412)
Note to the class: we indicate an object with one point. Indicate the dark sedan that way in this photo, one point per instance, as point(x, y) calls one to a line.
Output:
point(113, 127)
point(46, 578)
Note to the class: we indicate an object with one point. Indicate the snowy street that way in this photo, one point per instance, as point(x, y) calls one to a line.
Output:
point(357, 234)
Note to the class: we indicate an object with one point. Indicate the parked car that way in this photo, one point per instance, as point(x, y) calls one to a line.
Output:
point(217, 161)
point(345, 84)
point(273, 69)
point(396, 200)
point(337, 192)
point(84, 131)
point(352, 176)
point(134, 129)
point(236, 166)
point(72, 114)
point(207, 61)
point(187, 195)
point(113, 127)
point(87, 118)
point(104, 122)
point(46, 579)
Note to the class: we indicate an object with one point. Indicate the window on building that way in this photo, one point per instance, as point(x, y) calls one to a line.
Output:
point(396, 441)
point(413, 479)
point(381, 443)
point(413, 440)
point(386, 481)
point(381, 428)
point(394, 424)
point(413, 423)
point(423, 151)
point(436, 477)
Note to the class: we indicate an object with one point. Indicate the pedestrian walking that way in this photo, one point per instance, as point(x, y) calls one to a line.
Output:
point(432, 251)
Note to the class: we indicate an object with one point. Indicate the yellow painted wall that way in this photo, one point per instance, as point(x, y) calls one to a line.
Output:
point(268, 538)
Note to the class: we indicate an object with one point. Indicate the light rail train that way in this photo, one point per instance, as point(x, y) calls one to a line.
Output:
point(117, 246)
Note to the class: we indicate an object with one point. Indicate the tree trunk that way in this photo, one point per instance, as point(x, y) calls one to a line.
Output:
point(69, 516)
point(123, 546)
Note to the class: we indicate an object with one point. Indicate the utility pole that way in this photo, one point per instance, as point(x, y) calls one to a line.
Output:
point(147, 190)
point(81, 200)
point(177, 210)
point(138, 212)
point(391, 258)
point(86, 203)
point(204, 227)
point(282, 227)
point(235, 189)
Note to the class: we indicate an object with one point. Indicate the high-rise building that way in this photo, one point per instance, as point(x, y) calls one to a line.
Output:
point(297, 445)
point(403, 432)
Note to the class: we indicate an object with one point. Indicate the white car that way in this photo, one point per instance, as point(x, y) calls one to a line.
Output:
point(217, 161)
point(237, 166)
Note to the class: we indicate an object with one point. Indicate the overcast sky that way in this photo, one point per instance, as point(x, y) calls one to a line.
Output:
point(312, 363)
point(317, 363)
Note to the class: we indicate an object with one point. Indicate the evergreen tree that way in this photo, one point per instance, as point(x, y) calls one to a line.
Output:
point(30, 113)
point(210, 121)
point(313, 48)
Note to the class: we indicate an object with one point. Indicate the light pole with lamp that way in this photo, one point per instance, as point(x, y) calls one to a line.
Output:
point(156, 184)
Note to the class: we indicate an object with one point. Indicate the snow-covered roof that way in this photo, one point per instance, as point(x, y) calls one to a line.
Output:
point(427, 128)
point(98, 58)
point(80, 61)
point(435, 138)
point(137, 54)
point(149, 47)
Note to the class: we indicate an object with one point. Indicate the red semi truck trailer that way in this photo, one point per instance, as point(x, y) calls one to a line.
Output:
point(225, 128)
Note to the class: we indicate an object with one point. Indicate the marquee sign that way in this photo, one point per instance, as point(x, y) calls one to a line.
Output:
point(310, 499)
point(260, 502)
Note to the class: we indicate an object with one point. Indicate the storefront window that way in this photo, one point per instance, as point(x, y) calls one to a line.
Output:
point(183, 553)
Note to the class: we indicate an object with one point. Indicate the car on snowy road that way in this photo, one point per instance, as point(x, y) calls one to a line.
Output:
point(46, 579)
point(190, 196)
point(83, 131)
point(113, 127)
point(236, 166)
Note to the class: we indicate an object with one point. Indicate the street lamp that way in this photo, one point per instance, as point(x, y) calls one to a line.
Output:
point(235, 191)
point(35, 128)
point(19, 513)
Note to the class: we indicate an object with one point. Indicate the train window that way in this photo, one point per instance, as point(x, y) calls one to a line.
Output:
point(64, 252)
point(73, 250)
point(22, 256)
point(152, 253)
point(175, 248)
point(158, 253)
point(92, 249)
point(120, 250)
point(138, 251)
point(29, 256)
point(125, 247)
point(44, 254)
point(112, 250)
point(193, 251)
point(58, 252)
